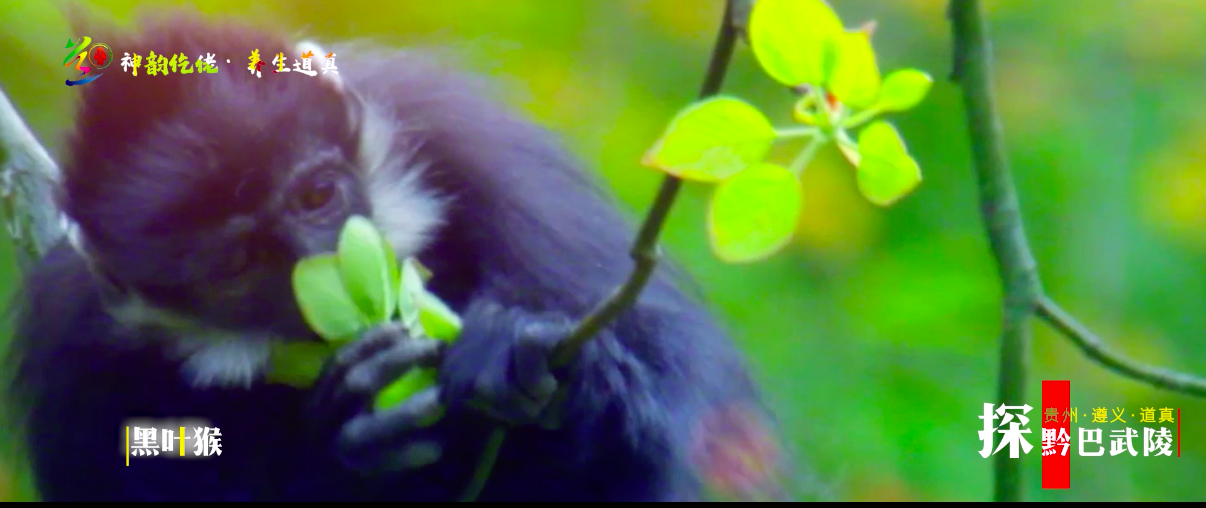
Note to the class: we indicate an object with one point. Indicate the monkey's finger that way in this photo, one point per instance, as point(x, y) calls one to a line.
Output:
point(382, 435)
point(370, 343)
point(414, 456)
point(371, 375)
point(530, 357)
point(553, 414)
point(491, 386)
point(330, 401)
point(512, 410)
point(500, 398)
point(547, 331)
point(529, 368)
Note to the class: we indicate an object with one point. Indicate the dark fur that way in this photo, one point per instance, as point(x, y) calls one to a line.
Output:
point(526, 233)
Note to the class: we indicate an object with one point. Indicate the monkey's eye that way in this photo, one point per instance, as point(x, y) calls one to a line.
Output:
point(316, 194)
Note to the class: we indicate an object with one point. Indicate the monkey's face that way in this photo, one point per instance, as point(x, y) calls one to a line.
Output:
point(241, 264)
point(204, 208)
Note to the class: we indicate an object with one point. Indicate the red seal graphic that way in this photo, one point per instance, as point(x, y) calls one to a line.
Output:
point(100, 56)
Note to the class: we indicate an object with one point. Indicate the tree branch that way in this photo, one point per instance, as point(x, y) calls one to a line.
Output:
point(27, 175)
point(1023, 292)
point(1095, 349)
point(644, 253)
point(645, 250)
point(1002, 217)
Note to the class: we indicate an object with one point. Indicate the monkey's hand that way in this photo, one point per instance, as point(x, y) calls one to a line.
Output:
point(500, 366)
point(342, 406)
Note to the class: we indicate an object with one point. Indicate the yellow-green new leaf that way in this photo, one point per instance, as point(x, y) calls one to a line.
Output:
point(423, 272)
point(886, 172)
point(855, 80)
point(904, 89)
point(297, 364)
point(406, 386)
point(438, 321)
point(395, 276)
point(364, 261)
point(423, 312)
point(423, 315)
point(712, 140)
point(408, 292)
point(790, 39)
point(323, 300)
point(755, 213)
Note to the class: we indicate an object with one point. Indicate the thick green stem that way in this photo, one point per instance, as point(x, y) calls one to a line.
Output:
point(1002, 218)
point(1023, 292)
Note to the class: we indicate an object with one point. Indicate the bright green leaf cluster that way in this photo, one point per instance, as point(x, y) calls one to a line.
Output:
point(719, 140)
point(712, 140)
point(885, 172)
point(360, 286)
point(801, 44)
point(741, 232)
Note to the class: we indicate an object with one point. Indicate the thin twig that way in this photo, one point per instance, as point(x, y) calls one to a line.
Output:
point(1019, 274)
point(644, 252)
point(645, 249)
point(1095, 349)
point(485, 465)
point(1002, 218)
point(27, 175)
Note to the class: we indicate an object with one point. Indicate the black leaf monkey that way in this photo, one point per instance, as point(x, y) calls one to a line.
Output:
point(190, 198)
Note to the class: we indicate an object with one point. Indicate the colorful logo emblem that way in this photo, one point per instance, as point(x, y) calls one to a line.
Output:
point(98, 55)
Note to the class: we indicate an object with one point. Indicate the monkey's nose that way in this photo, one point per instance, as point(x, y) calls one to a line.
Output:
point(303, 242)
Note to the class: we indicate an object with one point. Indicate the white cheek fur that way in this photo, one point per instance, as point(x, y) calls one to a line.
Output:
point(406, 213)
point(233, 361)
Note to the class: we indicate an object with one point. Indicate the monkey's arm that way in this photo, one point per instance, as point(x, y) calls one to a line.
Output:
point(75, 383)
point(633, 402)
point(634, 399)
point(78, 381)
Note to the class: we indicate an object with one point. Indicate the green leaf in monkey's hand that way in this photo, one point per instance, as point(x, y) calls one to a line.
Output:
point(712, 140)
point(425, 316)
point(755, 213)
point(323, 299)
point(410, 285)
point(886, 172)
point(298, 363)
point(404, 388)
point(368, 265)
point(438, 321)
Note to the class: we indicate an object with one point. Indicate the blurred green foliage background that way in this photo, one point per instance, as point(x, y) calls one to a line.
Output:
point(874, 334)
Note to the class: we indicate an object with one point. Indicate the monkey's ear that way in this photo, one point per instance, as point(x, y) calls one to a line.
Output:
point(355, 103)
point(356, 110)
